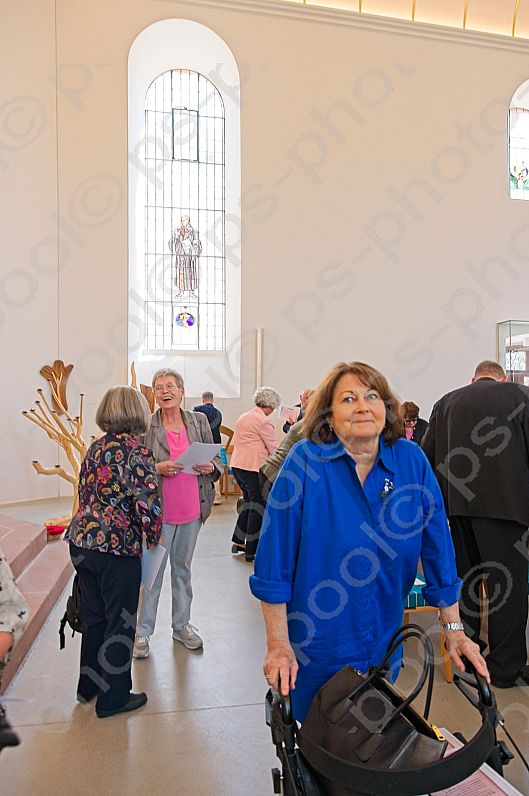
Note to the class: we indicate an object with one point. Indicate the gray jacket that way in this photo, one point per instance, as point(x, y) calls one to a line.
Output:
point(198, 430)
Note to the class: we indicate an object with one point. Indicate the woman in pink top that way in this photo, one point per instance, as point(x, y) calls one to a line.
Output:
point(187, 501)
point(253, 442)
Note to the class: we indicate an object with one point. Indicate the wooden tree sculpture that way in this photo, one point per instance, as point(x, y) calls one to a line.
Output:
point(146, 391)
point(67, 432)
point(57, 376)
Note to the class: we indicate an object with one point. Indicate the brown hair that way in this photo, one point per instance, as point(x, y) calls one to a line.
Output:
point(409, 409)
point(316, 426)
point(123, 410)
point(489, 368)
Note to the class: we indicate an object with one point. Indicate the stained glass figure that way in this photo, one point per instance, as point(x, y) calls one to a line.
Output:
point(519, 153)
point(185, 246)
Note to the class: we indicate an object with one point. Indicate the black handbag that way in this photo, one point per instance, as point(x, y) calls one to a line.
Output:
point(362, 736)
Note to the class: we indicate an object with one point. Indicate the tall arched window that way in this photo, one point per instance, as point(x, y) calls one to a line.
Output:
point(519, 143)
point(184, 303)
point(184, 213)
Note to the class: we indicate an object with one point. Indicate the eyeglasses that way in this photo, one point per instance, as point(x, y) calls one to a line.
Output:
point(169, 388)
point(411, 421)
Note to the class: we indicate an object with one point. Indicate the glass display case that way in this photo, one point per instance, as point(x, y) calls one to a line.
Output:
point(513, 350)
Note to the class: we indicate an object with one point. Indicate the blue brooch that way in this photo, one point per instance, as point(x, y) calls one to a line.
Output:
point(388, 487)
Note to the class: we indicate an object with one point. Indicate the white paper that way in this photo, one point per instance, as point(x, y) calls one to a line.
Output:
point(483, 782)
point(151, 561)
point(288, 412)
point(197, 453)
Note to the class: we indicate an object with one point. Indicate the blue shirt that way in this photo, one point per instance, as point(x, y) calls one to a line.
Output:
point(344, 557)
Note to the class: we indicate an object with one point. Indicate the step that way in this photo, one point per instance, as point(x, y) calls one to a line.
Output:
point(21, 542)
point(41, 584)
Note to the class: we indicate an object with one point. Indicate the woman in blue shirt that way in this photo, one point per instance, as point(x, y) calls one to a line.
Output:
point(353, 509)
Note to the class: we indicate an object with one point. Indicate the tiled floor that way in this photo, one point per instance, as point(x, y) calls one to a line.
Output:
point(202, 731)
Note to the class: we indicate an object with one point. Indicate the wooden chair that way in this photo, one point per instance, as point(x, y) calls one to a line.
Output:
point(417, 603)
point(227, 432)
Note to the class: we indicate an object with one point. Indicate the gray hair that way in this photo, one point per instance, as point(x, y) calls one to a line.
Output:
point(266, 396)
point(489, 368)
point(168, 372)
point(207, 396)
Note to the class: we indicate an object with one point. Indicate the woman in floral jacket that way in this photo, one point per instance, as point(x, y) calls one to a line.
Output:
point(118, 503)
point(13, 612)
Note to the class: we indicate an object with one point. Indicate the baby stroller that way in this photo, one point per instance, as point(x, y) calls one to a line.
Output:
point(298, 777)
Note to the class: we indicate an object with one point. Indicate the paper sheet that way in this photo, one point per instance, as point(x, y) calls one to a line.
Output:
point(288, 412)
point(151, 561)
point(198, 453)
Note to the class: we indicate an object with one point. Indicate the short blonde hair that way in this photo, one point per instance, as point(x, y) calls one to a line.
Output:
point(123, 410)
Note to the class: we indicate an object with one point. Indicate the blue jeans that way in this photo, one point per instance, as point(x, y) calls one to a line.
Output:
point(180, 541)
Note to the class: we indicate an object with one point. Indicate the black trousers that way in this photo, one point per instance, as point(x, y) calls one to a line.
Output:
point(249, 520)
point(494, 551)
point(110, 587)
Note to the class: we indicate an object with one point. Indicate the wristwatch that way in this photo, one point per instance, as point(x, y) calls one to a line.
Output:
point(447, 626)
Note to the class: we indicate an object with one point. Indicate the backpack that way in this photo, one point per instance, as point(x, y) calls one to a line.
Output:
point(72, 615)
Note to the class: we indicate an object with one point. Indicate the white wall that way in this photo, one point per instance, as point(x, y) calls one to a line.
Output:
point(28, 266)
point(335, 262)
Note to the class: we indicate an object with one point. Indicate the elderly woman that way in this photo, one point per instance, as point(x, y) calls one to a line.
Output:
point(187, 502)
point(118, 503)
point(414, 426)
point(253, 442)
point(352, 510)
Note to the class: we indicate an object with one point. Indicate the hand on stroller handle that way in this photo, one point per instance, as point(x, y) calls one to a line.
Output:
point(280, 668)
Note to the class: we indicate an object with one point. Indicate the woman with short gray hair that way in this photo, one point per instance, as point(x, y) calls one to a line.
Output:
point(253, 442)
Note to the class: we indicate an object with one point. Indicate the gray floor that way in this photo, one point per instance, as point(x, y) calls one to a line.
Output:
point(202, 731)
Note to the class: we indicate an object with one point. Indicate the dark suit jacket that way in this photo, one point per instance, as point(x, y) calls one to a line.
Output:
point(478, 444)
point(214, 419)
point(419, 430)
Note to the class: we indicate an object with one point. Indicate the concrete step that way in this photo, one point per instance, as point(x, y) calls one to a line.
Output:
point(41, 583)
point(21, 542)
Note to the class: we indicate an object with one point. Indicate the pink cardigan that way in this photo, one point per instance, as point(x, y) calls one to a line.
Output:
point(254, 440)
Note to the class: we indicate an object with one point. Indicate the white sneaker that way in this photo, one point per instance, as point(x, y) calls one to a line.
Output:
point(141, 647)
point(189, 637)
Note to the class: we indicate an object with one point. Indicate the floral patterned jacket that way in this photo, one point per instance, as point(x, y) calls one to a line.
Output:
point(13, 608)
point(118, 498)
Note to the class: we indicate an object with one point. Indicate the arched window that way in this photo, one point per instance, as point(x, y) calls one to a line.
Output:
point(184, 207)
point(184, 213)
point(519, 143)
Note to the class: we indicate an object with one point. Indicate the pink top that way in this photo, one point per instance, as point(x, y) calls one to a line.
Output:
point(254, 440)
point(409, 432)
point(181, 501)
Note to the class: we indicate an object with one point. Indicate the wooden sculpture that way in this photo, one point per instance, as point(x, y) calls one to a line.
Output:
point(146, 391)
point(67, 432)
point(57, 376)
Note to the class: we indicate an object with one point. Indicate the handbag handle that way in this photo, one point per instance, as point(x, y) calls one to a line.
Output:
point(399, 637)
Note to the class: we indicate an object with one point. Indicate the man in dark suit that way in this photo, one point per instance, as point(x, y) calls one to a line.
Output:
point(212, 413)
point(214, 417)
point(478, 444)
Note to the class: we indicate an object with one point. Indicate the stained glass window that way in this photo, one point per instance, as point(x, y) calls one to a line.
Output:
point(185, 279)
point(519, 153)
